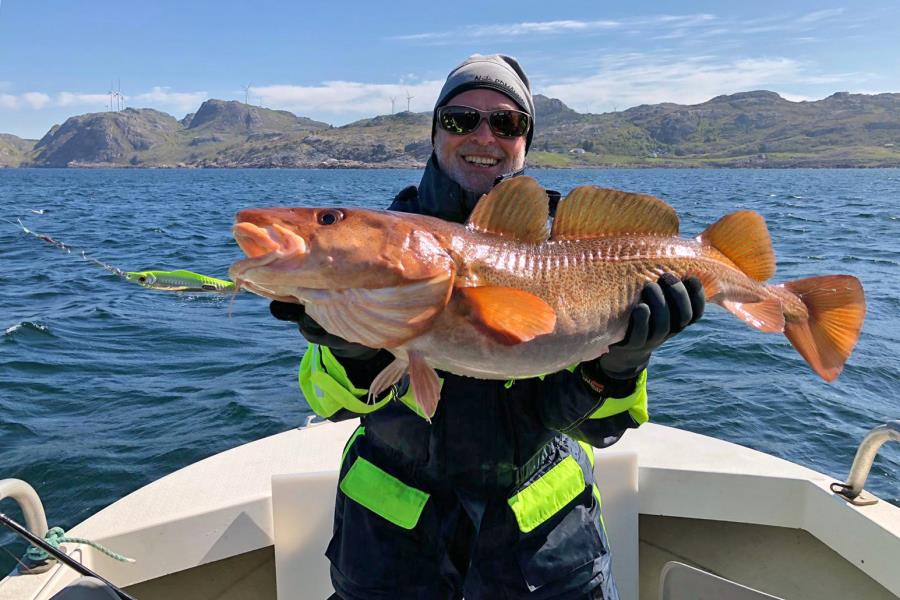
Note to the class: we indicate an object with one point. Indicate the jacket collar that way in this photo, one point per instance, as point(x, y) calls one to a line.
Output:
point(440, 196)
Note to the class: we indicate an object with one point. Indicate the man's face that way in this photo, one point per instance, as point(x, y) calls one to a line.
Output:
point(463, 157)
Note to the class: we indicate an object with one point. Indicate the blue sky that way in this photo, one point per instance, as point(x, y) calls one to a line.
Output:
point(341, 61)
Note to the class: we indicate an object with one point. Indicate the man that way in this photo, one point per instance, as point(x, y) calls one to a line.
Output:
point(494, 498)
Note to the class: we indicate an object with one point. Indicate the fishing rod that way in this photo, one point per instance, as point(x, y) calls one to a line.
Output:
point(60, 555)
point(169, 281)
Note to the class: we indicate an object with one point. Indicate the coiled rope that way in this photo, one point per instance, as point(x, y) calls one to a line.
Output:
point(57, 536)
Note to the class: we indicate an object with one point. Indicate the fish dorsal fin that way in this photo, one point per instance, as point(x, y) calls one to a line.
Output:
point(590, 212)
point(508, 315)
point(742, 236)
point(517, 208)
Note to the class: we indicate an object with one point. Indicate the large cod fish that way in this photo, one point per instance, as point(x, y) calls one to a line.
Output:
point(507, 295)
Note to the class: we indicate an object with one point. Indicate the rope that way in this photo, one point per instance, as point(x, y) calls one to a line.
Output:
point(57, 536)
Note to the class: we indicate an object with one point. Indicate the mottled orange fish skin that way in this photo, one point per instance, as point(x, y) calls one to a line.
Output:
point(591, 281)
point(592, 284)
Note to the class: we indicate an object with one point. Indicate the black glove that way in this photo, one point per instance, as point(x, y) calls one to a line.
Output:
point(665, 309)
point(314, 333)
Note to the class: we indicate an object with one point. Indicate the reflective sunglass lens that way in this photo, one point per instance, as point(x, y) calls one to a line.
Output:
point(509, 124)
point(504, 123)
point(459, 121)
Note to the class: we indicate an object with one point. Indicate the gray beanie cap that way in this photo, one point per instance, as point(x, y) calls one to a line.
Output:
point(496, 72)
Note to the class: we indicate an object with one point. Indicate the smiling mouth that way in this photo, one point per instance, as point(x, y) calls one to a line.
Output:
point(481, 161)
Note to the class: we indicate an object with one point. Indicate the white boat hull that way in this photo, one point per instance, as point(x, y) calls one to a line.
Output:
point(763, 521)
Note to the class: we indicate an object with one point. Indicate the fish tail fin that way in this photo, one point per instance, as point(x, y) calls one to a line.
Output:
point(836, 307)
point(743, 238)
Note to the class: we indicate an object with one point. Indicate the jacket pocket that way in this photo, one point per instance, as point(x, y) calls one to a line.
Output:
point(564, 554)
point(548, 494)
point(374, 488)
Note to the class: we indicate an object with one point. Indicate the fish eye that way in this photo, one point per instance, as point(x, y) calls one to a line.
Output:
point(330, 216)
point(142, 279)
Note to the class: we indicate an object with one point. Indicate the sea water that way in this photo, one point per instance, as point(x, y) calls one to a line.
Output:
point(106, 386)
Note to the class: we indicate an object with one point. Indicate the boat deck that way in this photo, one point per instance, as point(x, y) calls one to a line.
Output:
point(209, 530)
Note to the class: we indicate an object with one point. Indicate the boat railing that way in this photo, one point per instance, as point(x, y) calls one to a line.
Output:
point(851, 490)
point(33, 511)
point(28, 501)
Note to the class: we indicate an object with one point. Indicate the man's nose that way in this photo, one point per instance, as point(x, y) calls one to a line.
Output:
point(483, 134)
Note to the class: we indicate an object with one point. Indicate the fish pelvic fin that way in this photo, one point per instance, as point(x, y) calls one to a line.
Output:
point(426, 384)
point(390, 375)
point(516, 208)
point(836, 309)
point(590, 212)
point(508, 315)
point(744, 239)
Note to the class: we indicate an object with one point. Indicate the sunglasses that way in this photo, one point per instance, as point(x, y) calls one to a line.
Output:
point(461, 120)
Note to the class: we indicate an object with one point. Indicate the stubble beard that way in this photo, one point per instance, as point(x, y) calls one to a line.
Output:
point(472, 178)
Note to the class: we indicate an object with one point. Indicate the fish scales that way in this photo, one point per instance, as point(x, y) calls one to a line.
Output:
point(574, 275)
point(503, 296)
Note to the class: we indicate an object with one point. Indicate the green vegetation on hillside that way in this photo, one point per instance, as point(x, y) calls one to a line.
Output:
point(14, 150)
point(756, 129)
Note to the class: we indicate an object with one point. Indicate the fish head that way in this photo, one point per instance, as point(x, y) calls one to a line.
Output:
point(144, 278)
point(291, 251)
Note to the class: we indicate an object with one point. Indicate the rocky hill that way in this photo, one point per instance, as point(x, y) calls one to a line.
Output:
point(111, 138)
point(149, 138)
point(747, 129)
point(388, 141)
point(14, 150)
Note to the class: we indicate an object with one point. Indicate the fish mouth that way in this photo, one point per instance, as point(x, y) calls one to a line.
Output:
point(268, 243)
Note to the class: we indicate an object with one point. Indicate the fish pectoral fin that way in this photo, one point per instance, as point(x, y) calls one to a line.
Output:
point(381, 317)
point(766, 316)
point(591, 212)
point(517, 208)
point(507, 315)
point(425, 384)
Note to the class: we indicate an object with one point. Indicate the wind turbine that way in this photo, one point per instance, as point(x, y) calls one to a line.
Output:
point(408, 98)
point(247, 93)
point(393, 98)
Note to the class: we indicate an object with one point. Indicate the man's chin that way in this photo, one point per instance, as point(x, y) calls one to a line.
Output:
point(478, 179)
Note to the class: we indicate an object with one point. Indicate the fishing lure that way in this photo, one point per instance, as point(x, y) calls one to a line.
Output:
point(179, 281)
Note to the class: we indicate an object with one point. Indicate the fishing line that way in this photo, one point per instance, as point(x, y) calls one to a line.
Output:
point(170, 281)
point(68, 249)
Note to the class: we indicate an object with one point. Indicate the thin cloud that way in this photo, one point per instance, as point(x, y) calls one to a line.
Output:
point(531, 28)
point(77, 99)
point(161, 97)
point(349, 97)
point(512, 30)
point(633, 79)
point(821, 15)
point(164, 96)
point(656, 27)
point(807, 22)
point(36, 100)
